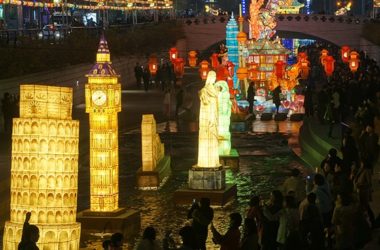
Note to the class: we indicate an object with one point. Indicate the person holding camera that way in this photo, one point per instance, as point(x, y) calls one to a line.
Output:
point(202, 215)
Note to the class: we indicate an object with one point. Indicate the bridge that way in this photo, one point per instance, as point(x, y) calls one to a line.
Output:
point(201, 33)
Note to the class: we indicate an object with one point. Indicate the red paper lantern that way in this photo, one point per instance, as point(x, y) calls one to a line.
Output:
point(329, 64)
point(204, 69)
point(173, 54)
point(231, 68)
point(192, 58)
point(324, 54)
point(179, 67)
point(214, 60)
point(280, 69)
point(353, 62)
point(345, 53)
point(305, 69)
point(153, 64)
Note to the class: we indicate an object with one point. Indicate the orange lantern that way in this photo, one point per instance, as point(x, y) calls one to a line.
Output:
point(153, 64)
point(173, 54)
point(280, 69)
point(345, 53)
point(353, 63)
point(242, 73)
point(179, 66)
point(329, 64)
point(304, 66)
point(241, 37)
point(204, 69)
point(324, 54)
point(231, 68)
point(214, 60)
point(192, 58)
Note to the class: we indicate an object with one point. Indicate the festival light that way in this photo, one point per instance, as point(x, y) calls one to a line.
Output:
point(173, 54)
point(305, 69)
point(204, 69)
point(179, 67)
point(231, 68)
point(153, 64)
point(324, 54)
point(44, 169)
point(242, 73)
point(329, 65)
point(354, 61)
point(103, 102)
point(345, 53)
point(192, 58)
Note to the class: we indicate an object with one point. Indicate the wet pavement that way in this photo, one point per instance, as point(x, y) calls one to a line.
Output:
point(265, 160)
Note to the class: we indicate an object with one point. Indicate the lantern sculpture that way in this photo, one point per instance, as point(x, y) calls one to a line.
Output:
point(192, 58)
point(214, 60)
point(354, 61)
point(241, 37)
point(204, 69)
point(222, 73)
point(242, 73)
point(179, 66)
point(329, 64)
point(173, 54)
point(345, 53)
point(280, 69)
point(44, 172)
point(252, 71)
point(153, 64)
point(324, 54)
point(103, 102)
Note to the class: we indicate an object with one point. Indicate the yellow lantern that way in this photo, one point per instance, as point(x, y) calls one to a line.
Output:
point(173, 54)
point(204, 69)
point(354, 61)
point(241, 37)
point(192, 58)
point(44, 169)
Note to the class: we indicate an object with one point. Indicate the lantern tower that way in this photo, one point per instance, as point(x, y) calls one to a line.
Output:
point(44, 171)
point(103, 102)
point(232, 31)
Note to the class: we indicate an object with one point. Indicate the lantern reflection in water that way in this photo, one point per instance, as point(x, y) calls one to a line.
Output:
point(44, 172)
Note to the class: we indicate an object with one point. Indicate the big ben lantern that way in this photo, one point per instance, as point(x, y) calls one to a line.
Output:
point(103, 94)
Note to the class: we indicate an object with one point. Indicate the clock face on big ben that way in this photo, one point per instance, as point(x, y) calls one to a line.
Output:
point(99, 97)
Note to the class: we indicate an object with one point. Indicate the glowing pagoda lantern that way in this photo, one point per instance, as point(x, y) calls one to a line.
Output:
point(173, 54)
point(280, 69)
point(214, 60)
point(204, 69)
point(192, 58)
point(353, 63)
point(153, 64)
point(231, 68)
point(179, 66)
point(345, 53)
point(242, 73)
point(329, 64)
point(324, 54)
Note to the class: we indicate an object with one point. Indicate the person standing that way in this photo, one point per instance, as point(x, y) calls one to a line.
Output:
point(251, 96)
point(148, 241)
point(295, 185)
point(231, 240)
point(138, 74)
point(276, 98)
point(202, 215)
point(146, 78)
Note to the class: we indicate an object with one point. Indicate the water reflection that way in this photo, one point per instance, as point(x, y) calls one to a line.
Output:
point(265, 161)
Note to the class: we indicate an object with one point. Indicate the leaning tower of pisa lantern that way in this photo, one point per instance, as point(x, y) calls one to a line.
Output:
point(44, 171)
